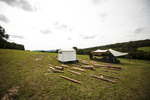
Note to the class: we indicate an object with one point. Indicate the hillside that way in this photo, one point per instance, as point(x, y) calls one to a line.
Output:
point(21, 76)
point(130, 47)
point(146, 49)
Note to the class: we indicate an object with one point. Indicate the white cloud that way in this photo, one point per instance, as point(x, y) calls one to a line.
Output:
point(82, 23)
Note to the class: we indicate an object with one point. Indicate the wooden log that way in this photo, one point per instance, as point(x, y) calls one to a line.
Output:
point(103, 78)
point(110, 76)
point(61, 68)
point(93, 62)
point(85, 63)
point(64, 66)
point(74, 72)
point(87, 67)
point(113, 69)
point(110, 71)
point(53, 69)
point(56, 71)
point(40, 66)
point(78, 69)
point(73, 80)
point(108, 66)
point(51, 65)
point(75, 65)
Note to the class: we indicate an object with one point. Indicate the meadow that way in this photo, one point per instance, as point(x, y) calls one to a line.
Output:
point(20, 68)
point(146, 49)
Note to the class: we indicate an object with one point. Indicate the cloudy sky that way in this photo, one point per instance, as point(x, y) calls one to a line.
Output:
point(54, 24)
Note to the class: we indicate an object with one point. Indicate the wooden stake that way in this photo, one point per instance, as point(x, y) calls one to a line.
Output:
point(61, 68)
point(87, 67)
point(110, 71)
point(74, 72)
point(70, 79)
point(103, 78)
point(110, 76)
point(64, 66)
point(78, 69)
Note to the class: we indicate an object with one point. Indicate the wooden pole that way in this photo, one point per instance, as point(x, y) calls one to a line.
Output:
point(76, 65)
point(110, 71)
point(53, 69)
point(110, 76)
point(78, 69)
point(61, 68)
point(108, 66)
point(56, 71)
point(113, 69)
point(70, 79)
point(74, 72)
point(64, 66)
point(103, 78)
point(87, 67)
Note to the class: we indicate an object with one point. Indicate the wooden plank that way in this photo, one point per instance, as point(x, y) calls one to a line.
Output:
point(78, 69)
point(109, 66)
point(103, 78)
point(113, 69)
point(75, 65)
point(110, 76)
point(87, 67)
point(110, 71)
point(64, 65)
point(74, 72)
point(73, 80)
point(61, 68)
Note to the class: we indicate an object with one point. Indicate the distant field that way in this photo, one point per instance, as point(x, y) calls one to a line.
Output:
point(146, 49)
point(20, 68)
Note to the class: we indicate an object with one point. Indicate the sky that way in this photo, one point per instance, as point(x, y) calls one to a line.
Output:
point(55, 24)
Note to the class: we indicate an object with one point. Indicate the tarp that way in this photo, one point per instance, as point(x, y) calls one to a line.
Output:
point(113, 52)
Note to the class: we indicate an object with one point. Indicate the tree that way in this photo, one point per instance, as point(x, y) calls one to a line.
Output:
point(2, 33)
point(75, 48)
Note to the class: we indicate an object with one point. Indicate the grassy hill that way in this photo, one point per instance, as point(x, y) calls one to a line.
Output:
point(20, 68)
point(146, 49)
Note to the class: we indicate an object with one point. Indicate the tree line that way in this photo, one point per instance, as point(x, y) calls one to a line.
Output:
point(130, 47)
point(7, 45)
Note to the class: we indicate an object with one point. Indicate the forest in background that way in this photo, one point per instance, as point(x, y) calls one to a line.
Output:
point(130, 47)
point(4, 44)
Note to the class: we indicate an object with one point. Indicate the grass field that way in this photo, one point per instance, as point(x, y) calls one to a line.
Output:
point(20, 68)
point(146, 49)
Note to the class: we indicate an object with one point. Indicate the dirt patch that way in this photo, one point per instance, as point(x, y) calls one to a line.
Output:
point(10, 93)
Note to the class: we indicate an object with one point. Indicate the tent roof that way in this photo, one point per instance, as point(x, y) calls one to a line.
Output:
point(113, 52)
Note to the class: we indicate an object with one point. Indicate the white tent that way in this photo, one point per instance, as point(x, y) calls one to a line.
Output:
point(66, 55)
point(113, 52)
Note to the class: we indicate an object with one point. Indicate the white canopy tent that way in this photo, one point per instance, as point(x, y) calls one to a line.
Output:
point(113, 52)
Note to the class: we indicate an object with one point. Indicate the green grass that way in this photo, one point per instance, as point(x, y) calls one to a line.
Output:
point(146, 49)
point(20, 68)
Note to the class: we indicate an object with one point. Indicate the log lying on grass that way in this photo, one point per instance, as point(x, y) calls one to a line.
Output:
point(75, 65)
point(108, 66)
point(61, 68)
point(83, 62)
point(98, 65)
point(40, 66)
point(74, 72)
point(87, 67)
point(56, 71)
point(113, 69)
point(70, 79)
point(110, 76)
point(64, 66)
point(93, 62)
point(51, 65)
point(103, 78)
point(110, 71)
point(78, 69)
